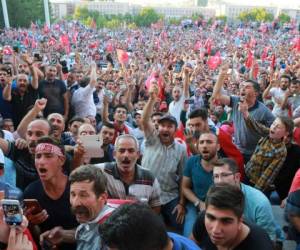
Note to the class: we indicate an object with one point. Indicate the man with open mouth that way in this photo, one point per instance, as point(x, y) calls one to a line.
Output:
point(52, 192)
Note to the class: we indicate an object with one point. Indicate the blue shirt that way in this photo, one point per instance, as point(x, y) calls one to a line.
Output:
point(182, 243)
point(200, 178)
point(258, 210)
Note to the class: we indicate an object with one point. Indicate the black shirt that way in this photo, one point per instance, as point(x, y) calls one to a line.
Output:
point(59, 210)
point(53, 92)
point(257, 239)
point(21, 104)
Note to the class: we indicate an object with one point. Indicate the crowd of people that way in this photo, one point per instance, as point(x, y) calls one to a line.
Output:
point(167, 137)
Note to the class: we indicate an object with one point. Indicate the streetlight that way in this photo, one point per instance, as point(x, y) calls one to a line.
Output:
point(5, 15)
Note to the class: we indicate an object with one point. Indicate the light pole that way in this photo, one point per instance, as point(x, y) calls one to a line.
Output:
point(46, 9)
point(5, 15)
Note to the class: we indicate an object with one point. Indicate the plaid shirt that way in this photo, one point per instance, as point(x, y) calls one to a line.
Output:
point(266, 160)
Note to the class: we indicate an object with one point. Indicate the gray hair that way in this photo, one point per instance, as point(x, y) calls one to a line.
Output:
point(127, 136)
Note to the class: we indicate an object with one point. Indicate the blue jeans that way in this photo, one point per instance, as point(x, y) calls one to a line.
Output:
point(169, 218)
point(190, 218)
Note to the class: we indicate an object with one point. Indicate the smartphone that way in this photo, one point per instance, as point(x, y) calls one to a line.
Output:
point(33, 203)
point(189, 101)
point(93, 145)
point(13, 214)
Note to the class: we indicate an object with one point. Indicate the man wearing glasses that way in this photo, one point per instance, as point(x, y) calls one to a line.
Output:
point(258, 209)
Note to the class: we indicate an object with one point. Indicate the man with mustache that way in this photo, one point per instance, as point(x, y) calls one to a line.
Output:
point(24, 158)
point(52, 191)
point(197, 178)
point(126, 179)
point(88, 199)
point(24, 95)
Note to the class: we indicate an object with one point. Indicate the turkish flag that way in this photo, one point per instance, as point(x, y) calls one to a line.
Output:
point(122, 56)
point(264, 54)
point(214, 61)
point(159, 79)
point(273, 61)
point(249, 60)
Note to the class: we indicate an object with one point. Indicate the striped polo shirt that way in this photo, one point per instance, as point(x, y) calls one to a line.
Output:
point(145, 188)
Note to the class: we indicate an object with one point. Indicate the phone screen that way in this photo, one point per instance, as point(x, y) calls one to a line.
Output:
point(13, 213)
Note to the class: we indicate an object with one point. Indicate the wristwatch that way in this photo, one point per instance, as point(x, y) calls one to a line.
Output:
point(196, 204)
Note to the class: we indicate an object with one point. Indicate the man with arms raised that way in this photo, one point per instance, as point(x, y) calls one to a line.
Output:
point(165, 158)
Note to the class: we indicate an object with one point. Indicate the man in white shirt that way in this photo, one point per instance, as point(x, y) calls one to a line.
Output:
point(82, 99)
point(179, 96)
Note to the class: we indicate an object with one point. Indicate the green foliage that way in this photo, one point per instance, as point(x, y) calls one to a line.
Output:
point(256, 14)
point(146, 16)
point(222, 17)
point(284, 18)
point(22, 12)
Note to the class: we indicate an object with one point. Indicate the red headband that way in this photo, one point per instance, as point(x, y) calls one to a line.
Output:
point(48, 148)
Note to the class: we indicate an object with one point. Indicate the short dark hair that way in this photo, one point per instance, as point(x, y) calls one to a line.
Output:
point(202, 113)
point(108, 124)
point(233, 167)
point(286, 77)
point(157, 114)
point(134, 227)
point(51, 140)
point(288, 123)
point(255, 85)
point(227, 197)
point(76, 119)
point(92, 174)
point(120, 106)
point(295, 81)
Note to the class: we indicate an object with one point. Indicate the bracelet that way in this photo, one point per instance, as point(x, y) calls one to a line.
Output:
point(181, 205)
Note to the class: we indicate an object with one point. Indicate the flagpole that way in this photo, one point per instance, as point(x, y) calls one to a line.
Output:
point(46, 9)
point(5, 14)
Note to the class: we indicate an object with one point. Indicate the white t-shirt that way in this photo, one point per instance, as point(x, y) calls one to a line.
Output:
point(83, 101)
point(176, 107)
point(278, 94)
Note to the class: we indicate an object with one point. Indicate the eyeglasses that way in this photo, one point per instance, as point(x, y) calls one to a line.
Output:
point(222, 175)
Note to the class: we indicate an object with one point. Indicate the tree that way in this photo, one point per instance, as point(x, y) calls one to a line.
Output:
point(146, 16)
point(256, 14)
point(22, 12)
point(222, 17)
point(284, 18)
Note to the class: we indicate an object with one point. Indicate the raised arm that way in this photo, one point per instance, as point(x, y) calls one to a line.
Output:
point(250, 122)
point(39, 106)
point(217, 95)
point(33, 71)
point(148, 109)
point(186, 82)
point(7, 89)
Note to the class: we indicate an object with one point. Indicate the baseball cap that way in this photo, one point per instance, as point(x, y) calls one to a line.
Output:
point(169, 118)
